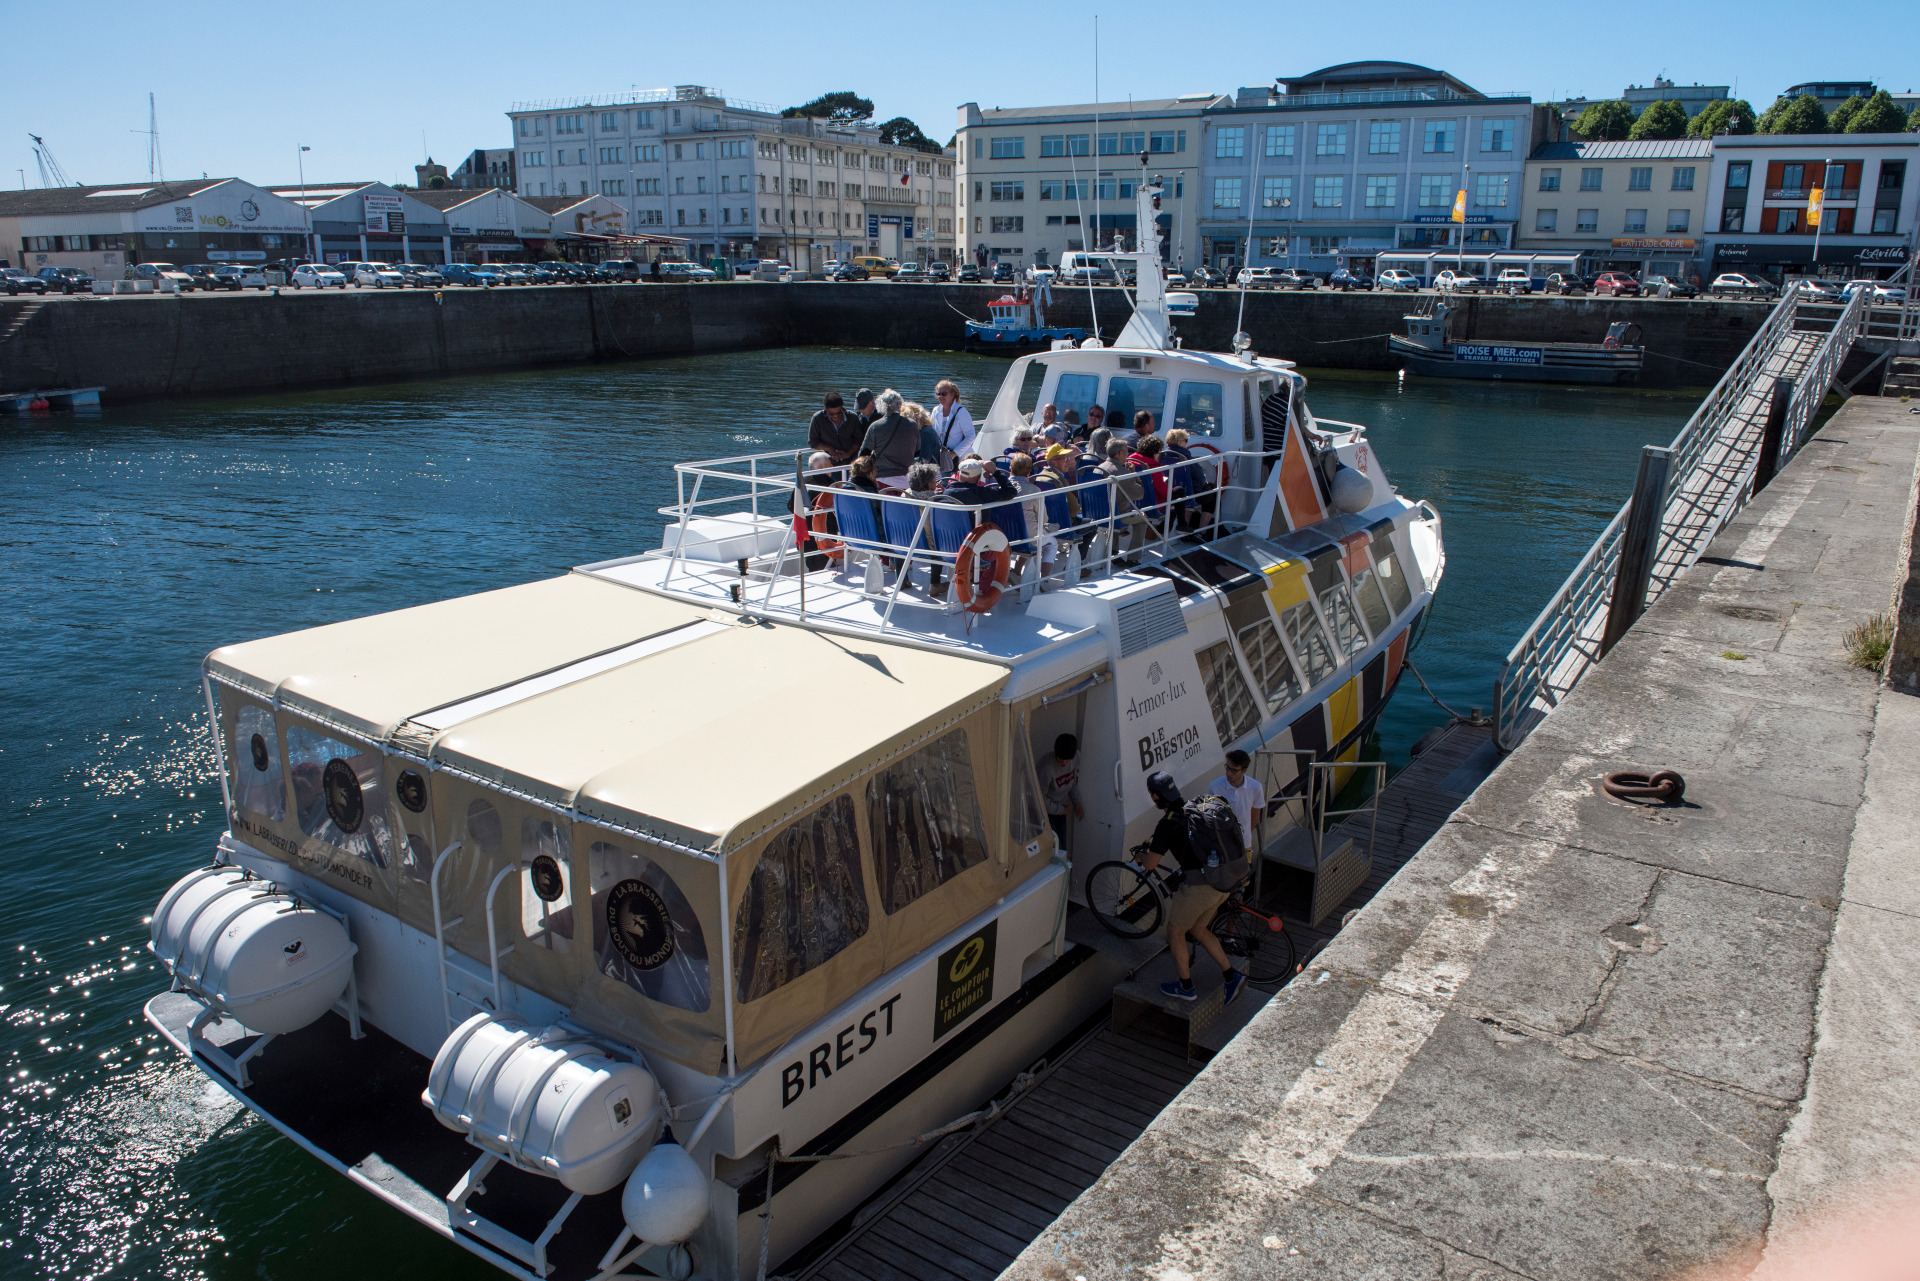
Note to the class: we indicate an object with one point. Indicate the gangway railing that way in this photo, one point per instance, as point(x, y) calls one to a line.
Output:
point(1710, 479)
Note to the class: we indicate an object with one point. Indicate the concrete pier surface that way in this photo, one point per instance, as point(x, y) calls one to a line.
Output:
point(1585, 1037)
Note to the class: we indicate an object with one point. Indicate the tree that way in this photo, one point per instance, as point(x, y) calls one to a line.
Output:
point(1607, 121)
point(1878, 114)
point(1913, 119)
point(902, 132)
point(843, 108)
point(1846, 111)
point(1661, 120)
point(1727, 115)
point(1794, 115)
point(438, 181)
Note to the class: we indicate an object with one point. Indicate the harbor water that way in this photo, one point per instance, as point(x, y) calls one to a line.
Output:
point(137, 539)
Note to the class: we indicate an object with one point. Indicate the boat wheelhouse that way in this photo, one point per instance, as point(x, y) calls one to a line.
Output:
point(690, 890)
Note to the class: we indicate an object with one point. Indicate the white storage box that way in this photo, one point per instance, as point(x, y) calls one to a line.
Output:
point(251, 950)
point(546, 1100)
point(734, 536)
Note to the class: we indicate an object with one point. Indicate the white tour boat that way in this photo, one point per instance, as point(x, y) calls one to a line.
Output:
point(636, 922)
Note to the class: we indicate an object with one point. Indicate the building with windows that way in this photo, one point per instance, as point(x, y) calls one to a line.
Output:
point(1037, 182)
point(738, 180)
point(369, 222)
point(106, 229)
point(486, 168)
point(1693, 98)
point(491, 224)
point(1638, 207)
point(1758, 197)
point(1338, 166)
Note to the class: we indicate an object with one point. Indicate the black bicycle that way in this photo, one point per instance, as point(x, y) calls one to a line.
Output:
point(1131, 902)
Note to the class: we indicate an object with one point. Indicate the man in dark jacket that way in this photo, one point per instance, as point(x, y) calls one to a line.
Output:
point(835, 432)
point(976, 484)
point(1193, 905)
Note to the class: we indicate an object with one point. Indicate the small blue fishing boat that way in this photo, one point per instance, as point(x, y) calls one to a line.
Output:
point(1018, 324)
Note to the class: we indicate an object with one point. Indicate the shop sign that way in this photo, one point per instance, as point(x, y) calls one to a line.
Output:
point(1669, 243)
point(1470, 218)
point(1784, 254)
point(906, 228)
point(382, 212)
point(873, 226)
point(513, 248)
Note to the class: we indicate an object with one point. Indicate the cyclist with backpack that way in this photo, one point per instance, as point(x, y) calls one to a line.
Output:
point(1204, 838)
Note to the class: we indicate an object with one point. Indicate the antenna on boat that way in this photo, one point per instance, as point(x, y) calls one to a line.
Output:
point(1091, 239)
point(1240, 319)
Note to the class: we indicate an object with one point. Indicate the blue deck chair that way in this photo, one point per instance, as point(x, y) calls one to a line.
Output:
point(1093, 502)
point(1012, 520)
point(859, 523)
point(950, 527)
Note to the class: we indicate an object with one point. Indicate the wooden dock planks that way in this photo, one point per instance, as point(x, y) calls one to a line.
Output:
point(968, 1209)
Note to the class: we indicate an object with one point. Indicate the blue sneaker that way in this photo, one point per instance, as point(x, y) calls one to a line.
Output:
point(1233, 982)
point(1180, 991)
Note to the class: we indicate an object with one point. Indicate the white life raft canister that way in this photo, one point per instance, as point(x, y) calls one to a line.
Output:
point(545, 1099)
point(251, 950)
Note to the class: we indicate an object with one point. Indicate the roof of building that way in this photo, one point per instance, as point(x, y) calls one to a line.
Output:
point(444, 198)
point(1114, 111)
point(554, 204)
point(1644, 149)
point(116, 197)
point(1372, 73)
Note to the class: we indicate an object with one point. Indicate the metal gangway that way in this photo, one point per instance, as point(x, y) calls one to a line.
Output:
point(1752, 422)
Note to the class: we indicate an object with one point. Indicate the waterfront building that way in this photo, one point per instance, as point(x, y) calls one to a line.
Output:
point(1638, 207)
point(103, 229)
point(1338, 166)
point(495, 225)
point(486, 168)
point(1039, 182)
point(370, 222)
point(1758, 191)
point(737, 179)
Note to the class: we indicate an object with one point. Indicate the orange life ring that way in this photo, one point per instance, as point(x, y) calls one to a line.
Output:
point(828, 546)
point(1220, 473)
point(989, 546)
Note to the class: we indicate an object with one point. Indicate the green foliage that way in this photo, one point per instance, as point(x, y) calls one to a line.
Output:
point(1913, 119)
point(1607, 121)
point(902, 132)
point(438, 181)
point(843, 108)
point(1728, 115)
point(1846, 111)
point(1794, 115)
point(1878, 114)
point(1661, 120)
point(1869, 643)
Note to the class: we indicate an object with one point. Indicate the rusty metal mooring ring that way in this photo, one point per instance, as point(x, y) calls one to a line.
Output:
point(1665, 786)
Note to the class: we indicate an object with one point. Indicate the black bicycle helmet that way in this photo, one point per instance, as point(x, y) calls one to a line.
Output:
point(1165, 792)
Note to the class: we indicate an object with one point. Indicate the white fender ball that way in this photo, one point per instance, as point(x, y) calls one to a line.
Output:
point(1352, 492)
point(666, 1197)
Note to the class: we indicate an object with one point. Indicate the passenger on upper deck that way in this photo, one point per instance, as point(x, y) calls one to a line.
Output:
point(1146, 457)
point(951, 423)
point(1046, 423)
point(1188, 484)
point(1096, 419)
point(923, 482)
point(1075, 429)
point(916, 413)
point(862, 475)
point(834, 431)
point(976, 484)
point(1035, 507)
point(1126, 495)
point(1061, 470)
point(1022, 443)
point(893, 441)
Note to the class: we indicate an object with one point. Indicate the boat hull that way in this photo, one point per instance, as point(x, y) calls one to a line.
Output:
point(1540, 362)
point(1018, 341)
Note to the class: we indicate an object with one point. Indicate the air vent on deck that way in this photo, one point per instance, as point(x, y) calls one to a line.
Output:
point(1131, 362)
point(1149, 620)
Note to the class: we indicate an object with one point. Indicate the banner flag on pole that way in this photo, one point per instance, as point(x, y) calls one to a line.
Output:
point(1460, 206)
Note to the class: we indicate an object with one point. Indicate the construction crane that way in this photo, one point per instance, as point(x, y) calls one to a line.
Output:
point(51, 174)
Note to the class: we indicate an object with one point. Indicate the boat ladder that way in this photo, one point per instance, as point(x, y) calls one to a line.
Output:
point(454, 965)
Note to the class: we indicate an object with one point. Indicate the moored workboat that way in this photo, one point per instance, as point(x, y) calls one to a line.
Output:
point(1017, 322)
point(638, 921)
point(1430, 349)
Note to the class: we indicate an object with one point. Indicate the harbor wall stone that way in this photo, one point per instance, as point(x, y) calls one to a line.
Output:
point(142, 348)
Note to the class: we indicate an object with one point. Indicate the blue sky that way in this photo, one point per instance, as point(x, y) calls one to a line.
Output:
point(359, 81)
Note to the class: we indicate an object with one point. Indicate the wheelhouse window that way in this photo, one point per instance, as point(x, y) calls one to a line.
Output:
point(339, 794)
point(804, 904)
point(259, 786)
point(924, 813)
point(1077, 392)
point(1200, 408)
point(1234, 711)
point(645, 932)
point(1127, 396)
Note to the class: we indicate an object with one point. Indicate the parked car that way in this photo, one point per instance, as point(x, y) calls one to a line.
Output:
point(875, 266)
point(66, 280)
point(421, 276)
point(237, 276)
point(940, 272)
point(1345, 278)
point(1735, 284)
point(968, 274)
point(1514, 281)
point(319, 276)
point(1461, 282)
point(684, 273)
point(628, 269)
point(1675, 287)
point(1616, 284)
point(1205, 277)
point(1567, 283)
point(381, 275)
point(1002, 273)
point(848, 271)
point(17, 280)
point(910, 273)
point(1882, 292)
point(201, 274)
point(1258, 277)
point(158, 272)
point(1041, 275)
point(1176, 280)
point(467, 273)
point(1396, 278)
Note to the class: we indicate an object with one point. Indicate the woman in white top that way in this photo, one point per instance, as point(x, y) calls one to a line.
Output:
point(952, 424)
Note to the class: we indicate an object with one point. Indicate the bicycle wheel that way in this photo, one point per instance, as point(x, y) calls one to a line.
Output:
point(1124, 899)
point(1246, 935)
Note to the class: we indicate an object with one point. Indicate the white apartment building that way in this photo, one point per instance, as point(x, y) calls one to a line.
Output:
point(738, 180)
point(1037, 182)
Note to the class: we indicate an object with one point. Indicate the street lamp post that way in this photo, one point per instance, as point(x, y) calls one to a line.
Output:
point(306, 214)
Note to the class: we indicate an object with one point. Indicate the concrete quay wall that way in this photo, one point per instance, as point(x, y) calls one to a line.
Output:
point(1577, 1037)
point(155, 347)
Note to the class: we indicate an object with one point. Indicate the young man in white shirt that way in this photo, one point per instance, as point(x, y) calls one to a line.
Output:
point(1243, 793)
point(952, 424)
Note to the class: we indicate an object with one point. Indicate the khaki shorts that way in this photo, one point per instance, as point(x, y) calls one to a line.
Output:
point(1194, 904)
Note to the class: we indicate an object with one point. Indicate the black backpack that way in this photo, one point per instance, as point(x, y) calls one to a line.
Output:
point(1213, 830)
